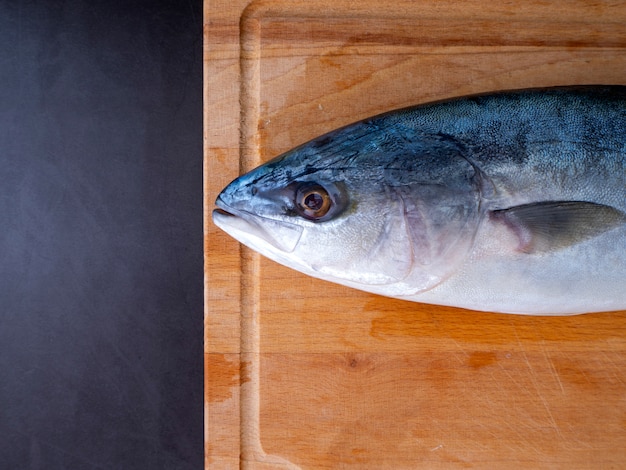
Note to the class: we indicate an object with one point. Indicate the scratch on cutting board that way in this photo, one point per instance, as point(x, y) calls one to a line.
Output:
point(440, 446)
point(614, 368)
point(555, 374)
point(533, 378)
point(456, 343)
point(509, 375)
point(461, 348)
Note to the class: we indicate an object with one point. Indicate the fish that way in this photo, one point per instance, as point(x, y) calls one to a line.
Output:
point(508, 202)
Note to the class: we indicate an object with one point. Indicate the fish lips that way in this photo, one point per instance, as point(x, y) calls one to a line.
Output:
point(256, 231)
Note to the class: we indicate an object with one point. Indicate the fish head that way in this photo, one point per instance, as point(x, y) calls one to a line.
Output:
point(345, 216)
point(317, 222)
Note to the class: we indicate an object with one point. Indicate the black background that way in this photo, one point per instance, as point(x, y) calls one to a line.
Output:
point(101, 235)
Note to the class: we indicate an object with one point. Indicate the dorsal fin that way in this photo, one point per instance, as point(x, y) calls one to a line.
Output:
point(553, 225)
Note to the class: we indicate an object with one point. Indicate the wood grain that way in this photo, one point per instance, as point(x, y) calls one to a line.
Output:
point(301, 373)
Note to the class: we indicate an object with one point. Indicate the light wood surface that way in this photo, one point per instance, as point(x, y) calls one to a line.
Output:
point(301, 373)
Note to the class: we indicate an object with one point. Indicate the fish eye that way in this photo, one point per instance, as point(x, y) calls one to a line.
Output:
point(313, 201)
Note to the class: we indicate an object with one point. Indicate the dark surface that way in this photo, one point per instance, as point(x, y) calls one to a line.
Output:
point(101, 240)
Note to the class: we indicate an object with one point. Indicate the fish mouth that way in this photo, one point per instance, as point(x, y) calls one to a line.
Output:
point(223, 208)
point(222, 213)
point(225, 216)
point(256, 231)
point(225, 211)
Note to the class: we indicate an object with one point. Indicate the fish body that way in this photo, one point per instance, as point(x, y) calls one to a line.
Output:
point(510, 202)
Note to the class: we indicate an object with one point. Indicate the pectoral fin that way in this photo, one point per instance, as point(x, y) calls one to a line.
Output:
point(553, 225)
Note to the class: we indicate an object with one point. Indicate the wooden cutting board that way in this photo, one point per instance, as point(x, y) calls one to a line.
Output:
point(305, 374)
